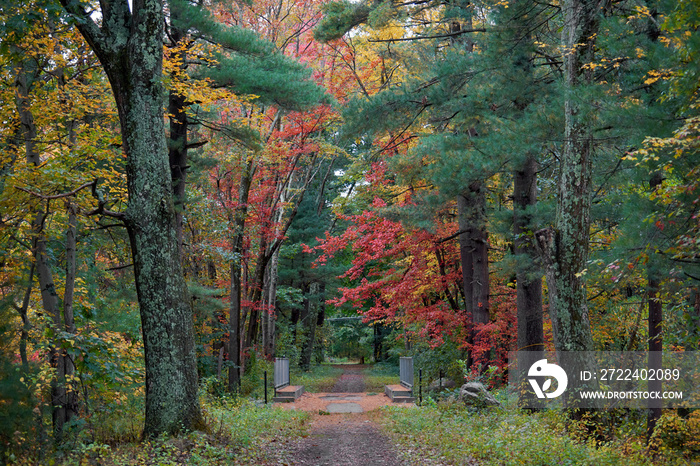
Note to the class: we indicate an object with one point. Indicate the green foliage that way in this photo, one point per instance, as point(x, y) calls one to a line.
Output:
point(287, 347)
point(253, 381)
point(16, 404)
point(444, 359)
point(245, 424)
point(674, 433)
point(352, 340)
point(235, 431)
point(339, 18)
point(501, 436)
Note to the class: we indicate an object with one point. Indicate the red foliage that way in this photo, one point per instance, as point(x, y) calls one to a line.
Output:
point(401, 274)
point(495, 339)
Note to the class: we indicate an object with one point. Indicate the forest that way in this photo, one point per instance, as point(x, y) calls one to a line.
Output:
point(191, 188)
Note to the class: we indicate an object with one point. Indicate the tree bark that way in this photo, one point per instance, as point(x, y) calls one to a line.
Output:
point(129, 44)
point(237, 220)
point(270, 316)
point(466, 260)
point(51, 304)
point(309, 319)
point(528, 281)
point(70, 402)
point(568, 243)
point(26, 326)
point(655, 344)
point(177, 141)
point(480, 254)
point(473, 248)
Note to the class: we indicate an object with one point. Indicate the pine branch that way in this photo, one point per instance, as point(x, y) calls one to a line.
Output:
point(438, 36)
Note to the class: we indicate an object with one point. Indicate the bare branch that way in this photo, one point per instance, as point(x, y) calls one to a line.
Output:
point(438, 36)
point(57, 196)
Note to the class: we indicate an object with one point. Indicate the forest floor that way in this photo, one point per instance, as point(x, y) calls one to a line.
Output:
point(344, 428)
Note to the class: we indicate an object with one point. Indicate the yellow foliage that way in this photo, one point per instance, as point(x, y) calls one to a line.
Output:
point(675, 432)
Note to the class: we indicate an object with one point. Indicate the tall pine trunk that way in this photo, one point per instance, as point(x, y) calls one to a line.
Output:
point(565, 248)
point(528, 280)
point(473, 248)
point(529, 283)
point(129, 43)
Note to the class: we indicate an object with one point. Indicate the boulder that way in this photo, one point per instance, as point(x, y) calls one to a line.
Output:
point(475, 394)
point(441, 384)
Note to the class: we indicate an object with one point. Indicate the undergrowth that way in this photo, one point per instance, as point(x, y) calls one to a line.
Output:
point(457, 434)
point(378, 375)
point(236, 429)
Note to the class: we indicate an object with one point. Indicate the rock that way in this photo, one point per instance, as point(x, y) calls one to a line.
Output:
point(475, 394)
point(440, 384)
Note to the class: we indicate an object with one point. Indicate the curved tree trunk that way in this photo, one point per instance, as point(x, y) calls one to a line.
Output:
point(129, 44)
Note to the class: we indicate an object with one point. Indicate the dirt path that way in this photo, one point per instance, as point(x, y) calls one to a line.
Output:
point(347, 439)
point(343, 440)
point(352, 380)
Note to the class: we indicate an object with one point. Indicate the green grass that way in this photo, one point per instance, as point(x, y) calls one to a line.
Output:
point(378, 375)
point(505, 436)
point(320, 378)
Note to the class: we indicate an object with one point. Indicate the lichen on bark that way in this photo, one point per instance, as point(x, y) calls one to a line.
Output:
point(129, 46)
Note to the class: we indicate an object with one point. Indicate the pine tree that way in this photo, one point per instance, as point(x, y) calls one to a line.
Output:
point(243, 63)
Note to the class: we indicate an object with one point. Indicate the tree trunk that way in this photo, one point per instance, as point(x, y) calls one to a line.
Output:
point(70, 402)
point(473, 248)
point(378, 340)
point(129, 44)
point(466, 262)
point(564, 248)
point(480, 254)
point(255, 294)
point(529, 283)
point(24, 334)
point(309, 319)
point(51, 305)
point(177, 141)
point(238, 223)
point(655, 344)
point(270, 316)
point(567, 245)
point(166, 313)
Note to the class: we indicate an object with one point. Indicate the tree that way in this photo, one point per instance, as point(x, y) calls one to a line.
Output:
point(567, 244)
point(128, 42)
point(46, 60)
